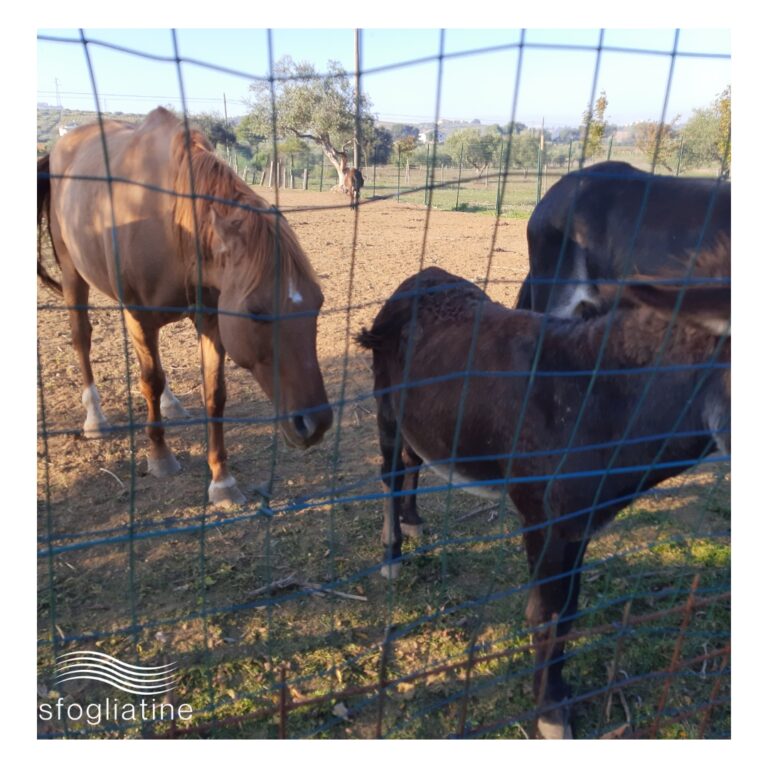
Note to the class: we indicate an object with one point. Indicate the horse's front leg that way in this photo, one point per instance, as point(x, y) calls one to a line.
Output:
point(76, 292)
point(223, 489)
point(161, 462)
point(555, 567)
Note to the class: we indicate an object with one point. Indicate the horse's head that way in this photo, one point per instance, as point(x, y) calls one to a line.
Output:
point(268, 319)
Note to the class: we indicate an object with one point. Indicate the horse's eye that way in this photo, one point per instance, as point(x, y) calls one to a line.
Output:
point(259, 315)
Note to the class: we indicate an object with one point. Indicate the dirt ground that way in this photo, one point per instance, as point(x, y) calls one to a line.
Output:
point(178, 588)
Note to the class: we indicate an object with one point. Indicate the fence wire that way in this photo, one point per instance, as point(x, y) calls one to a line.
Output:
point(273, 615)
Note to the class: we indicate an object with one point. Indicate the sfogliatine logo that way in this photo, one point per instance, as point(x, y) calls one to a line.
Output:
point(143, 681)
point(92, 665)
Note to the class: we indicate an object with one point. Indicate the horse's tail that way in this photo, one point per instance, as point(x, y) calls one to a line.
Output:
point(43, 208)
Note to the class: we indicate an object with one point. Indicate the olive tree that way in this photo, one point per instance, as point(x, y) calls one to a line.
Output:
point(316, 107)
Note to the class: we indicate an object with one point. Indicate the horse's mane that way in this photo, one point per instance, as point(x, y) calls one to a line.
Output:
point(203, 182)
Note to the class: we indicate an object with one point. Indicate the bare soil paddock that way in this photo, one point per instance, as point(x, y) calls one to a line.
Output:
point(189, 584)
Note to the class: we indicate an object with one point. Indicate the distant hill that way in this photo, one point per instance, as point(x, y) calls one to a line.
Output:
point(49, 119)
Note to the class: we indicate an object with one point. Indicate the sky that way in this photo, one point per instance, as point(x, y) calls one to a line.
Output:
point(559, 70)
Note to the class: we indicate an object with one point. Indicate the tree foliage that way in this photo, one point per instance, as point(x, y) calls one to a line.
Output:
point(213, 125)
point(475, 147)
point(593, 126)
point(659, 143)
point(722, 108)
point(312, 106)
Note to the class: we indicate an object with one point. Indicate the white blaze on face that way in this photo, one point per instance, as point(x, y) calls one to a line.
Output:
point(573, 295)
point(293, 294)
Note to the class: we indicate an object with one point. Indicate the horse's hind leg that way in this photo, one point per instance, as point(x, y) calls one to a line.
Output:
point(555, 567)
point(160, 462)
point(392, 475)
point(76, 292)
point(411, 524)
point(223, 489)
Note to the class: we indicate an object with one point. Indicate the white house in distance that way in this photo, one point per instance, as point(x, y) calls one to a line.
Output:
point(64, 129)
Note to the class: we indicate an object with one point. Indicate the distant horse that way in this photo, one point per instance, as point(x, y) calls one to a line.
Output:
point(569, 449)
point(149, 216)
point(610, 221)
point(353, 183)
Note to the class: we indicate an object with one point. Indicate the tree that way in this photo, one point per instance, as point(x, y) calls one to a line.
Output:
point(478, 149)
point(401, 131)
point(593, 126)
point(215, 128)
point(525, 149)
point(659, 142)
point(722, 108)
point(699, 139)
point(379, 146)
point(315, 107)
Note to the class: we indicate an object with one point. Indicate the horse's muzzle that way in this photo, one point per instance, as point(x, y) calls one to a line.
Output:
point(306, 429)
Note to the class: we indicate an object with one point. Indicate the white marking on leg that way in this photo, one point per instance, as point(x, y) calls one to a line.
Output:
point(170, 406)
point(227, 482)
point(293, 293)
point(95, 421)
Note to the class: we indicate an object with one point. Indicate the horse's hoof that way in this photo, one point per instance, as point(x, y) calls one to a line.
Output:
point(164, 467)
point(96, 429)
point(390, 571)
point(554, 725)
point(412, 531)
point(225, 493)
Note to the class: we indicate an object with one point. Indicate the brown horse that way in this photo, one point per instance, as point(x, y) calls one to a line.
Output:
point(454, 388)
point(353, 183)
point(149, 216)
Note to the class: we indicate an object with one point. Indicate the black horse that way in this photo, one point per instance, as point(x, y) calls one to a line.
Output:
point(610, 221)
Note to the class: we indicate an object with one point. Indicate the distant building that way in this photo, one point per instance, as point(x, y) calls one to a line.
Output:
point(426, 136)
point(64, 129)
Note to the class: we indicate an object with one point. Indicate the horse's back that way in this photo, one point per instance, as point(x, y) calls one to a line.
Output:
point(611, 220)
point(120, 175)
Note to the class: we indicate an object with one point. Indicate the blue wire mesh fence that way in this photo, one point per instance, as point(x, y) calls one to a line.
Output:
point(271, 619)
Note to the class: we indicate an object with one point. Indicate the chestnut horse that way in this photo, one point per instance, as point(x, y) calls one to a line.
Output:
point(610, 221)
point(353, 183)
point(149, 216)
point(500, 401)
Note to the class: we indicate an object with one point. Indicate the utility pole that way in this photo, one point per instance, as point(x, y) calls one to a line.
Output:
point(355, 161)
point(226, 127)
point(58, 97)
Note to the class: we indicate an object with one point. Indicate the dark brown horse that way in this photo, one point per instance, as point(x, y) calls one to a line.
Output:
point(149, 216)
point(353, 183)
point(610, 221)
point(455, 389)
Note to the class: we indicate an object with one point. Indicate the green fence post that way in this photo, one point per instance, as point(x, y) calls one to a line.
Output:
point(426, 177)
point(538, 176)
point(679, 157)
point(610, 148)
point(322, 169)
point(458, 183)
point(570, 154)
point(498, 181)
point(398, 174)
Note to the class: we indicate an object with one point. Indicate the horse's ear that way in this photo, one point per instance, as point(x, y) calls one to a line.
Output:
point(224, 229)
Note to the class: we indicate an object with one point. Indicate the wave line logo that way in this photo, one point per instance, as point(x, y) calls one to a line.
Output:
point(92, 665)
